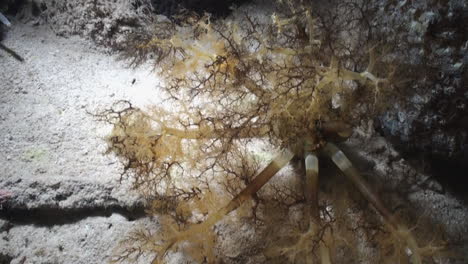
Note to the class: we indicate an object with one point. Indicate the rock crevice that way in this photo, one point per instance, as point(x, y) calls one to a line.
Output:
point(48, 204)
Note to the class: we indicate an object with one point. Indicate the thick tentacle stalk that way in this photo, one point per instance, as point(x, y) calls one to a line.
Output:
point(348, 169)
point(312, 214)
point(262, 178)
point(311, 187)
point(11, 52)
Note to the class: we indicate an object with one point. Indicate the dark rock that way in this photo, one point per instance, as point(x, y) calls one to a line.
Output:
point(5, 259)
point(215, 7)
point(431, 128)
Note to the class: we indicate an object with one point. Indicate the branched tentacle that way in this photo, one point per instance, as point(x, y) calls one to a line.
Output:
point(262, 178)
point(303, 77)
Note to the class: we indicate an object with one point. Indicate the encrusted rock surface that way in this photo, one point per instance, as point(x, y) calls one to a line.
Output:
point(60, 196)
point(431, 126)
point(108, 22)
